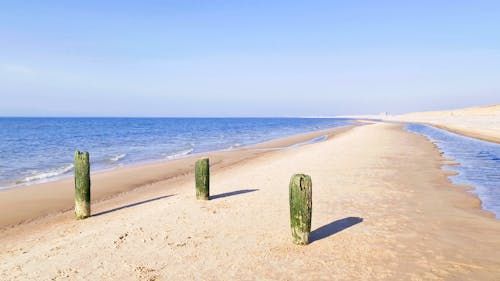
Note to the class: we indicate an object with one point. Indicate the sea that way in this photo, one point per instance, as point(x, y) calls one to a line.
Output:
point(479, 163)
point(35, 150)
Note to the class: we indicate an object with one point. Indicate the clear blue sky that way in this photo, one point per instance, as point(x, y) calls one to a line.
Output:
point(246, 58)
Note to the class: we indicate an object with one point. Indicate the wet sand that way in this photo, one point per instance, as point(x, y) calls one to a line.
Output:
point(382, 210)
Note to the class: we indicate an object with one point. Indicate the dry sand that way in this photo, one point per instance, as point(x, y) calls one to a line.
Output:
point(382, 210)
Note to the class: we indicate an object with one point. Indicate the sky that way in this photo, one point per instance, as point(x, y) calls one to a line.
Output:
point(246, 58)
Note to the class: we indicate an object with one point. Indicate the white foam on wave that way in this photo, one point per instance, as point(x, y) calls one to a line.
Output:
point(180, 154)
point(116, 158)
point(49, 174)
point(234, 146)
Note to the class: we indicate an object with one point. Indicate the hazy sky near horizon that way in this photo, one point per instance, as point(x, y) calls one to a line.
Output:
point(246, 58)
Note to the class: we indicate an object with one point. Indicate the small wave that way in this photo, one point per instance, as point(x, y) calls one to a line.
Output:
point(180, 154)
point(115, 158)
point(49, 174)
point(234, 146)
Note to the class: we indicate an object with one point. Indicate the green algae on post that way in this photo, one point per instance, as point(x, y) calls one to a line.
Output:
point(300, 208)
point(82, 185)
point(202, 177)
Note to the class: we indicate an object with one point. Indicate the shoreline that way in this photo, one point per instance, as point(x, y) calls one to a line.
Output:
point(56, 196)
point(117, 142)
point(376, 216)
point(446, 162)
point(19, 183)
point(470, 189)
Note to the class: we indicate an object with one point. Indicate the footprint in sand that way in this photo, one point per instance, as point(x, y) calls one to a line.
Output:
point(121, 239)
point(64, 274)
point(146, 273)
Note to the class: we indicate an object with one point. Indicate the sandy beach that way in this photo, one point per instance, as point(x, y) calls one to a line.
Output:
point(223, 140)
point(383, 209)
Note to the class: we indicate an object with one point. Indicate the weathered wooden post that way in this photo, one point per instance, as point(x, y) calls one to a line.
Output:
point(82, 185)
point(300, 208)
point(202, 177)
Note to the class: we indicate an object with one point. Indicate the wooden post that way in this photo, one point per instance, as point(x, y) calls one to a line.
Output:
point(300, 208)
point(202, 177)
point(82, 185)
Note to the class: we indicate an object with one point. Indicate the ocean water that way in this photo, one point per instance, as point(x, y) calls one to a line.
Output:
point(479, 163)
point(35, 150)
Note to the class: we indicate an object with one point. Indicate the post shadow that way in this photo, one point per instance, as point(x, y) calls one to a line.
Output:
point(232, 193)
point(131, 205)
point(333, 228)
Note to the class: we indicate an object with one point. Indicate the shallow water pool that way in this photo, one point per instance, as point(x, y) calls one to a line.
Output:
point(479, 163)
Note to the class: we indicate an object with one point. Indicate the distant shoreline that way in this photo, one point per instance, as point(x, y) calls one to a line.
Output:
point(481, 122)
point(464, 132)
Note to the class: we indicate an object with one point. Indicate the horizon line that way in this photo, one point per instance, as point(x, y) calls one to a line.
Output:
point(193, 117)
